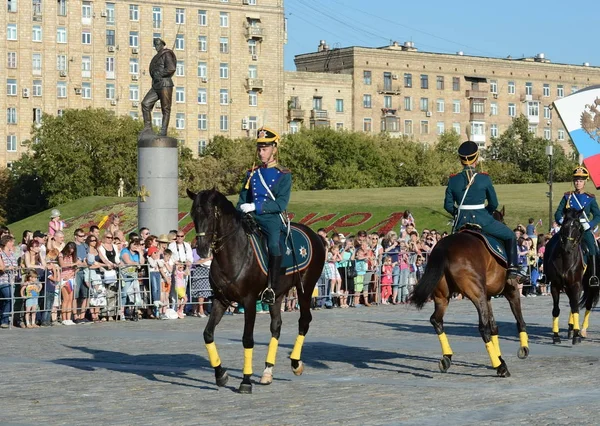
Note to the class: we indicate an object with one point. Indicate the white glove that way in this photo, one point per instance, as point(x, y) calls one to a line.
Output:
point(250, 207)
point(586, 226)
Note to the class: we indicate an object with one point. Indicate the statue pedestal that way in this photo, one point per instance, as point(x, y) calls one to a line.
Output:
point(157, 183)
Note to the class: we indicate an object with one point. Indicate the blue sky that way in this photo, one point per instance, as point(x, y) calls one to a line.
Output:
point(566, 32)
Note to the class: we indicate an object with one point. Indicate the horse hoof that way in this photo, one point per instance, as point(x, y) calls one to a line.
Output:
point(266, 379)
point(502, 370)
point(555, 339)
point(523, 352)
point(576, 340)
point(298, 371)
point(583, 333)
point(222, 381)
point(569, 334)
point(444, 364)
point(245, 388)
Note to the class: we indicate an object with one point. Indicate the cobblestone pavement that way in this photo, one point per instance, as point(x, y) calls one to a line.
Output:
point(365, 366)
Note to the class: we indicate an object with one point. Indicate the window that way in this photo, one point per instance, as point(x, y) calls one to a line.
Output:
point(12, 5)
point(180, 42)
point(251, 2)
point(532, 129)
point(224, 123)
point(407, 80)
point(339, 126)
point(456, 84)
point(86, 37)
point(477, 128)
point(252, 71)
point(387, 101)
point(547, 133)
point(61, 62)
point(560, 91)
point(478, 106)
point(439, 83)
point(367, 125)
point(60, 112)
point(456, 106)
point(110, 91)
point(62, 8)
point(367, 101)
point(36, 7)
point(134, 66)
point(224, 70)
point(202, 121)
point(224, 97)
point(134, 12)
point(424, 127)
point(407, 103)
point(424, 81)
point(252, 98)
point(547, 112)
point(202, 44)
point(110, 37)
point(529, 88)
point(110, 13)
point(11, 60)
point(11, 115)
point(494, 130)
point(440, 127)
point(134, 115)
point(317, 103)
point(180, 70)
point(156, 17)
point(408, 128)
point(37, 88)
point(179, 95)
point(494, 108)
point(512, 110)
point(223, 19)
point(561, 134)
point(134, 92)
point(37, 115)
point(294, 127)
point(252, 47)
point(202, 69)
point(546, 90)
point(367, 78)
point(180, 121)
point(134, 39)
point(61, 35)
point(157, 119)
point(533, 109)
point(201, 147)
point(110, 67)
point(224, 44)
point(494, 86)
point(456, 128)
point(11, 143)
point(201, 96)
point(86, 12)
point(86, 66)
point(252, 122)
point(339, 105)
point(511, 87)
point(36, 64)
point(179, 16)
point(424, 104)
point(86, 90)
point(36, 34)
point(202, 19)
point(11, 87)
point(440, 105)
point(61, 89)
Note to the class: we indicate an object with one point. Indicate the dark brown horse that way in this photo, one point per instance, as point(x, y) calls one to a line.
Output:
point(236, 276)
point(461, 263)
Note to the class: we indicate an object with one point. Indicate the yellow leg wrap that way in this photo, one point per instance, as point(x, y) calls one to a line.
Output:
point(571, 318)
point(586, 320)
point(446, 350)
point(272, 352)
point(248, 361)
point(555, 325)
point(576, 321)
point(496, 343)
point(524, 339)
point(491, 350)
point(297, 348)
point(213, 355)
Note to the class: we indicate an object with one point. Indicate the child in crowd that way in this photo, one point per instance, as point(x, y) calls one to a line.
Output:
point(53, 283)
point(181, 274)
point(332, 273)
point(359, 280)
point(386, 280)
point(166, 269)
point(30, 290)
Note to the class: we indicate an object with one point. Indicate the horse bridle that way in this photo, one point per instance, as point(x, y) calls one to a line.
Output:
point(574, 240)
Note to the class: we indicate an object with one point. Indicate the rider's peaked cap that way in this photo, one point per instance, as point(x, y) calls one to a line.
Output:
point(468, 152)
point(581, 172)
point(266, 137)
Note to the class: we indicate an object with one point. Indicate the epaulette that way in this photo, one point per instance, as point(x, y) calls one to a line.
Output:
point(590, 195)
point(282, 169)
point(453, 174)
point(250, 170)
point(483, 173)
point(568, 193)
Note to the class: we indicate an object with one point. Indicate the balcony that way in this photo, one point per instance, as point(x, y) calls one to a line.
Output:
point(254, 32)
point(254, 84)
point(389, 112)
point(295, 114)
point(319, 118)
point(527, 98)
point(388, 89)
point(477, 94)
point(477, 116)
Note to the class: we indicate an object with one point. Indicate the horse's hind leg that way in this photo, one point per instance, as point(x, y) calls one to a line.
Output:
point(218, 309)
point(555, 290)
point(248, 342)
point(511, 293)
point(275, 311)
point(437, 320)
point(494, 329)
point(303, 326)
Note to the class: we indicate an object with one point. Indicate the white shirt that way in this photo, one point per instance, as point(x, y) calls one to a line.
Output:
point(181, 252)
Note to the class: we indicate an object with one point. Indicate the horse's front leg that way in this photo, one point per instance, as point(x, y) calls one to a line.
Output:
point(248, 342)
point(275, 311)
point(216, 314)
point(574, 294)
point(555, 290)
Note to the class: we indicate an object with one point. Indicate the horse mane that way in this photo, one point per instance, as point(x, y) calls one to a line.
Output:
point(210, 198)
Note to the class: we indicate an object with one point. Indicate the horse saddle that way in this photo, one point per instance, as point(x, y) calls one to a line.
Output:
point(494, 245)
point(296, 250)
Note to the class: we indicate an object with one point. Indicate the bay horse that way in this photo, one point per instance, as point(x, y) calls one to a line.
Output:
point(461, 263)
point(564, 268)
point(236, 276)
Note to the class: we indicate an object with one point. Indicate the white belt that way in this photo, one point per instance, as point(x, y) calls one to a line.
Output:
point(473, 207)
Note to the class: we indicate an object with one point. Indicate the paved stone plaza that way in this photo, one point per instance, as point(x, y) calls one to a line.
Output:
point(363, 366)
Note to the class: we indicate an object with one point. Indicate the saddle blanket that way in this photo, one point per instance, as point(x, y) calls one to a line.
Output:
point(296, 250)
point(494, 245)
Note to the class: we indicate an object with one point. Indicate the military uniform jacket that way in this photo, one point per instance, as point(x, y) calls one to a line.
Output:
point(577, 201)
point(480, 190)
point(162, 68)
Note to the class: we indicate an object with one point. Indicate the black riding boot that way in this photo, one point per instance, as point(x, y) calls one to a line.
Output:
point(511, 256)
point(268, 295)
point(594, 281)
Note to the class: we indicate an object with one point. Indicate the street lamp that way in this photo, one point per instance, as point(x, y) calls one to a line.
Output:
point(549, 153)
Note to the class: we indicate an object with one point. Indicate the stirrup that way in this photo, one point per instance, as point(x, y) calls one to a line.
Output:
point(268, 296)
point(594, 281)
point(512, 272)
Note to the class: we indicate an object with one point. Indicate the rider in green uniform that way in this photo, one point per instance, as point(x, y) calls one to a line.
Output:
point(465, 199)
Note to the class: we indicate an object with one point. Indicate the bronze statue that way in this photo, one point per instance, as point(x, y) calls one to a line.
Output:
point(162, 68)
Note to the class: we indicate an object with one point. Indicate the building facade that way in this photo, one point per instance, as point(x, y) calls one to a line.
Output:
point(64, 54)
point(399, 90)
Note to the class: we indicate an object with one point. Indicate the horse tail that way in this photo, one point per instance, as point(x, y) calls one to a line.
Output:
point(436, 264)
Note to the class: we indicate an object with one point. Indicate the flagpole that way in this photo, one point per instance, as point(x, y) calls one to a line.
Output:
point(549, 152)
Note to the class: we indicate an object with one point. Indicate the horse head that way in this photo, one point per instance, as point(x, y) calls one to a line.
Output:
point(571, 230)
